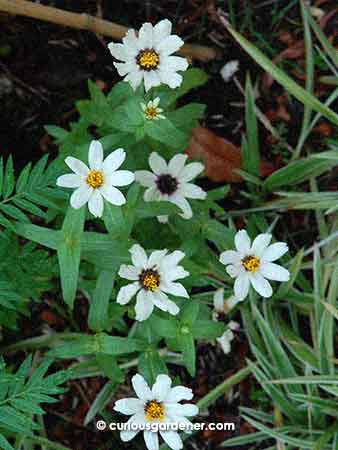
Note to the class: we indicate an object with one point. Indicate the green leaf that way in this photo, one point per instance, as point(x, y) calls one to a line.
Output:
point(119, 93)
point(69, 252)
point(166, 132)
point(207, 329)
point(297, 172)
point(251, 156)
point(99, 343)
point(189, 353)
point(151, 364)
point(154, 209)
point(8, 180)
point(98, 310)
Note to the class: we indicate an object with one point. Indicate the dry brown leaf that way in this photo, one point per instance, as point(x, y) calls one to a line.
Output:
point(220, 156)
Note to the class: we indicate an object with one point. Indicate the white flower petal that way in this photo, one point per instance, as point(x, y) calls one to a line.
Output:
point(274, 272)
point(162, 302)
point(161, 387)
point(151, 79)
point(128, 406)
point(126, 293)
point(233, 270)
point(173, 64)
point(228, 70)
point(157, 164)
point(141, 388)
point(161, 30)
point(274, 251)
point(118, 51)
point(135, 77)
point(172, 79)
point(151, 440)
point(260, 243)
point(135, 419)
point(242, 242)
point(129, 272)
point(152, 194)
point(176, 164)
point(138, 256)
point(80, 196)
point(112, 195)
point(95, 203)
point(191, 171)
point(219, 300)
point(95, 155)
point(121, 178)
point(183, 204)
point(156, 102)
point(176, 273)
point(156, 257)
point(70, 180)
point(177, 409)
point(230, 257)
point(179, 393)
point(190, 190)
point(131, 41)
point(174, 289)
point(241, 286)
point(145, 36)
point(225, 341)
point(162, 219)
point(126, 68)
point(170, 45)
point(172, 439)
point(77, 166)
point(261, 285)
point(144, 305)
point(127, 436)
point(171, 260)
point(145, 178)
point(114, 160)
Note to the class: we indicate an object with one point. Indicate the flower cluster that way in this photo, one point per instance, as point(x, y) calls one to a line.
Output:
point(147, 57)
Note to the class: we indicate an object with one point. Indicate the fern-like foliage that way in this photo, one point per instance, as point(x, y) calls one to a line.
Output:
point(31, 190)
point(26, 272)
point(21, 394)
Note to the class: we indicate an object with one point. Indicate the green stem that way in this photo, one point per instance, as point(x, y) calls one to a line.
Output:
point(219, 390)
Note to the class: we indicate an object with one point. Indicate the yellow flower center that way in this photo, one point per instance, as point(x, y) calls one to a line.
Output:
point(154, 410)
point(148, 59)
point(150, 280)
point(251, 263)
point(151, 112)
point(95, 179)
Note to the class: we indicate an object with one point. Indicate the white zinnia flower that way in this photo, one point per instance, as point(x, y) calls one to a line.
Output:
point(222, 306)
point(153, 278)
point(253, 264)
point(148, 56)
point(171, 182)
point(228, 336)
point(154, 407)
point(98, 181)
point(151, 110)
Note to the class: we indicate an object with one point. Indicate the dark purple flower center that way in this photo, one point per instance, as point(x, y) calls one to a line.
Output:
point(167, 184)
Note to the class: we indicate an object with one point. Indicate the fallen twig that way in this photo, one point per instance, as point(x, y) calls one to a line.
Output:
point(87, 22)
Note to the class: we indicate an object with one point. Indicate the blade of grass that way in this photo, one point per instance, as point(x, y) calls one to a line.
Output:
point(279, 75)
point(309, 81)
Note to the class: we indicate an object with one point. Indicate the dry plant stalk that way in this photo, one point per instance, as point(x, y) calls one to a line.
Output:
point(87, 22)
